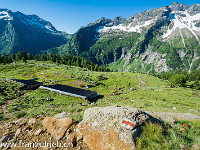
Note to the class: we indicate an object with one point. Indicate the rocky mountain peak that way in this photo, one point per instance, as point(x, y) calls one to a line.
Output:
point(118, 20)
point(100, 22)
point(103, 20)
point(157, 38)
point(5, 14)
point(175, 3)
point(178, 6)
point(29, 33)
point(194, 9)
point(35, 22)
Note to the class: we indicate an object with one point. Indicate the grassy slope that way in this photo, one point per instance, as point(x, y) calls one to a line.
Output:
point(125, 89)
point(142, 91)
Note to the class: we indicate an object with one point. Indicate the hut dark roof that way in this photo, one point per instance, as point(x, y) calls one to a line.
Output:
point(73, 90)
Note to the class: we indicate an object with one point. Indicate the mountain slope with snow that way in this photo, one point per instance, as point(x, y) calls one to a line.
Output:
point(156, 40)
point(28, 33)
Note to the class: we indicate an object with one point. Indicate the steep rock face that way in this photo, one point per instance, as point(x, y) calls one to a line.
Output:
point(128, 44)
point(29, 33)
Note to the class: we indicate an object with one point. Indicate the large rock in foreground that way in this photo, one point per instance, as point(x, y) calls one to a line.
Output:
point(58, 127)
point(112, 127)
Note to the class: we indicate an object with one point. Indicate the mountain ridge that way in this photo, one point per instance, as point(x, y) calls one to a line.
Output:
point(29, 33)
point(156, 40)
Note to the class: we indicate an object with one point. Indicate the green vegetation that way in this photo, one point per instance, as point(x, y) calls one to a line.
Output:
point(127, 51)
point(142, 91)
point(57, 58)
point(8, 91)
point(28, 38)
point(182, 78)
point(156, 137)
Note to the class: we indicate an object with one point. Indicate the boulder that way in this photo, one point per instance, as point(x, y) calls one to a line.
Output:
point(58, 127)
point(49, 99)
point(112, 127)
point(79, 138)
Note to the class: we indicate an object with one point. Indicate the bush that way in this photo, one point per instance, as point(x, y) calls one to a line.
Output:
point(196, 85)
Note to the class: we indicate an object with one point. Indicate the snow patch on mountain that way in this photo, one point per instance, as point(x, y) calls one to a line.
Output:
point(5, 16)
point(129, 28)
point(48, 27)
point(100, 28)
point(182, 20)
point(182, 37)
point(35, 21)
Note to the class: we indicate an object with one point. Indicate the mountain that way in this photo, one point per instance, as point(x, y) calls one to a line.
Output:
point(157, 40)
point(28, 33)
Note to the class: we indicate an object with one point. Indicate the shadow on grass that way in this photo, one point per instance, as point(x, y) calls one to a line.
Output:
point(94, 100)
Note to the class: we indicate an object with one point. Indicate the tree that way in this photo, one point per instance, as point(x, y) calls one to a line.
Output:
point(20, 55)
point(24, 60)
point(29, 56)
point(91, 67)
point(13, 56)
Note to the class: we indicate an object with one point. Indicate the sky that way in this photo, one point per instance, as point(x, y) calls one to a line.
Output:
point(70, 15)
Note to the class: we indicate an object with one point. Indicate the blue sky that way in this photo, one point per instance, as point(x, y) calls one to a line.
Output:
point(70, 15)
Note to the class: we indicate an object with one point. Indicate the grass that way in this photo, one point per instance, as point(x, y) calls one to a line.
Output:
point(141, 91)
point(155, 137)
point(20, 115)
point(8, 90)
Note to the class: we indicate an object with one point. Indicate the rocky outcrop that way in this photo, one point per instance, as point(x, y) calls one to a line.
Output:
point(178, 7)
point(31, 131)
point(58, 127)
point(194, 9)
point(112, 127)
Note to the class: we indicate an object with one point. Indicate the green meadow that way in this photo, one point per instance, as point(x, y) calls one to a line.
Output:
point(142, 91)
